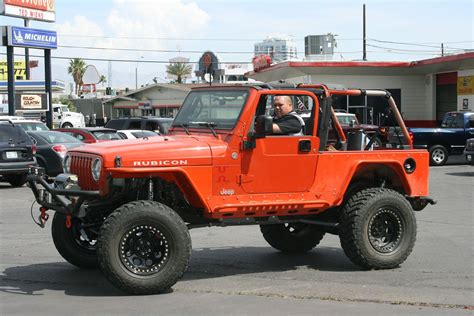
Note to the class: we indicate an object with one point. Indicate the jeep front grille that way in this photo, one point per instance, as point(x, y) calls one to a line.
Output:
point(81, 165)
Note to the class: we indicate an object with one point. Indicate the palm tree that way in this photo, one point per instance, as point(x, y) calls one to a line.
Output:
point(102, 80)
point(179, 70)
point(76, 68)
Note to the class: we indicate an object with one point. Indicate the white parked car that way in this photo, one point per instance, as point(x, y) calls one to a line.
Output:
point(26, 124)
point(136, 133)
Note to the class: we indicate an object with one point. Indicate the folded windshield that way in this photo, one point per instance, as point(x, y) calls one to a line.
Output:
point(218, 109)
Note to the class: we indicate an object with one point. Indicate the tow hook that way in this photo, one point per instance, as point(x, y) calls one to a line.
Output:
point(43, 217)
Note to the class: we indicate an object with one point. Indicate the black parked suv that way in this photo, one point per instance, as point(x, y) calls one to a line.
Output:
point(17, 153)
point(150, 123)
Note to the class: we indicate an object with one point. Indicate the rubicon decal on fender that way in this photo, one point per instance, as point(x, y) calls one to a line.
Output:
point(151, 163)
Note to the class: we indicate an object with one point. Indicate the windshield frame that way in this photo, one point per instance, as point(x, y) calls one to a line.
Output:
point(196, 122)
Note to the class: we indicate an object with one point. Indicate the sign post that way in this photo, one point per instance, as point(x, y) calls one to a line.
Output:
point(11, 81)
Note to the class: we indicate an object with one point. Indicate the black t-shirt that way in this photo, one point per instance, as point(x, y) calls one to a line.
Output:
point(288, 124)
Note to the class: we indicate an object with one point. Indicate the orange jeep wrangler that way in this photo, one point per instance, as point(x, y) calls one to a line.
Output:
point(126, 206)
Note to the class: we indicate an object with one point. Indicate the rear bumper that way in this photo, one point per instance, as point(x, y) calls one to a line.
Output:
point(58, 195)
point(16, 167)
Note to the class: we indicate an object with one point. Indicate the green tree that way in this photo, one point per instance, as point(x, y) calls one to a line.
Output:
point(179, 70)
point(77, 67)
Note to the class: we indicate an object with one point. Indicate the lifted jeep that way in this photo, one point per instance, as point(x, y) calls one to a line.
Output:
point(127, 206)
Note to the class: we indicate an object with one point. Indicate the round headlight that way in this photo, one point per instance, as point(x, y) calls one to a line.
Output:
point(67, 164)
point(96, 167)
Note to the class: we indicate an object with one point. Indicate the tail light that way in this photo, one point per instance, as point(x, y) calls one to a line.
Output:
point(410, 133)
point(33, 149)
point(61, 150)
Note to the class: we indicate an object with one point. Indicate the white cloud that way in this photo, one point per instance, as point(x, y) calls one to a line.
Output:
point(132, 19)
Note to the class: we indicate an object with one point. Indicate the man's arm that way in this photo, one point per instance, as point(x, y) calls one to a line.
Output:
point(287, 125)
point(276, 129)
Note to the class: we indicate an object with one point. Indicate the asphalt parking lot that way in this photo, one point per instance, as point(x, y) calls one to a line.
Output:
point(234, 272)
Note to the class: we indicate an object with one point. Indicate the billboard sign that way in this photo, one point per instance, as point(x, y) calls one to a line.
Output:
point(31, 102)
point(41, 10)
point(465, 85)
point(20, 70)
point(34, 38)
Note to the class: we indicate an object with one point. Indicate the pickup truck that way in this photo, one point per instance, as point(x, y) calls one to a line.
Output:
point(449, 139)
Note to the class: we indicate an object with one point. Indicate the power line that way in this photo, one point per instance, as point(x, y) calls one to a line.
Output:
point(419, 44)
point(130, 60)
point(162, 38)
point(148, 50)
point(229, 39)
point(403, 50)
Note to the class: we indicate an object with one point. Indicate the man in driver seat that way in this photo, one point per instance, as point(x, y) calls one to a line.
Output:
point(286, 121)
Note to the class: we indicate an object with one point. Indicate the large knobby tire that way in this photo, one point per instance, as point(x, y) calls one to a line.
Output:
point(294, 237)
point(377, 229)
point(76, 244)
point(144, 247)
point(438, 155)
point(16, 180)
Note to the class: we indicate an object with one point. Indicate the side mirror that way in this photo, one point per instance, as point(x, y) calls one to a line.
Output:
point(263, 125)
point(352, 123)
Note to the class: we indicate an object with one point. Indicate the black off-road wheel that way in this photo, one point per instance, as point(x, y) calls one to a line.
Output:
point(77, 244)
point(144, 248)
point(377, 229)
point(438, 155)
point(16, 180)
point(292, 237)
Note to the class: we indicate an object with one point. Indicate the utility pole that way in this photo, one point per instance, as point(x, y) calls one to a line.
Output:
point(442, 49)
point(364, 56)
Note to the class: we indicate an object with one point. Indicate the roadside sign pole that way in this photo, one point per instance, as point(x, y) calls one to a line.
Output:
point(27, 55)
point(49, 94)
point(11, 81)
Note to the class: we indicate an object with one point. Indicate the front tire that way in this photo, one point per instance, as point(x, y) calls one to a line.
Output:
point(144, 247)
point(294, 237)
point(67, 125)
point(76, 244)
point(438, 155)
point(377, 229)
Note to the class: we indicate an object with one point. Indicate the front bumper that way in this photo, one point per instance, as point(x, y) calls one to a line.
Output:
point(60, 195)
point(469, 155)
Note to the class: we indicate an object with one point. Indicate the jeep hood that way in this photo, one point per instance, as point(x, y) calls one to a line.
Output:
point(156, 151)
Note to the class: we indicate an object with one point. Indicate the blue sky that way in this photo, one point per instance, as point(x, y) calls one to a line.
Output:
point(235, 26)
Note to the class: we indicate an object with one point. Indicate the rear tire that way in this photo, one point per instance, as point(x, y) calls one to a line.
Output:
point(294, 237)
point(75, 244)
point(67, 125)
point(377, 229)
point(16, 180)
point(144, 247)
point(438, 155)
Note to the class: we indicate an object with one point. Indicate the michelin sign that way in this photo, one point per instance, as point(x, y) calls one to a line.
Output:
point(34, 38)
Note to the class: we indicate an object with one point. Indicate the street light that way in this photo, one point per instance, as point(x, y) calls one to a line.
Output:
point(136, 73)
